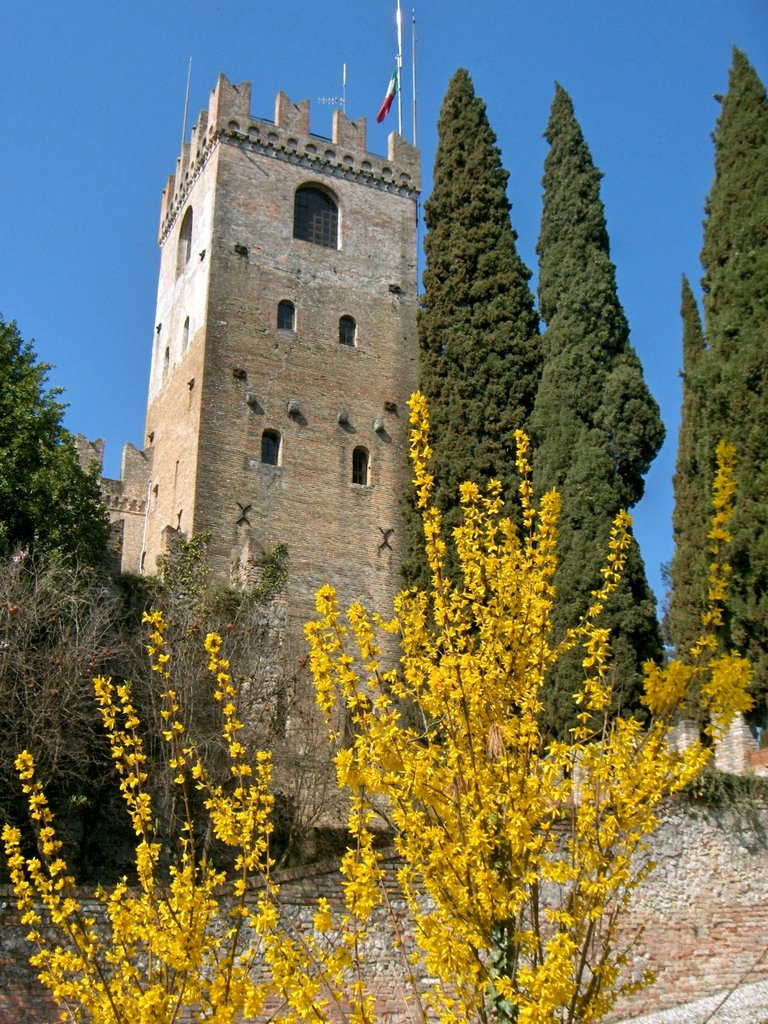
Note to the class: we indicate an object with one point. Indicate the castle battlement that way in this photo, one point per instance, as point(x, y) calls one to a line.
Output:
point(125, 499)
point(288, 138)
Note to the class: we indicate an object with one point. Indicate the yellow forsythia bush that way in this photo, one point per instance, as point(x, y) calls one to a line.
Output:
point(517, 851)
point(525, 846)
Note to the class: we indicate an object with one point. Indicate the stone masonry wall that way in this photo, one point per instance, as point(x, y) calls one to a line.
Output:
point(125, 498)
point(700, 921)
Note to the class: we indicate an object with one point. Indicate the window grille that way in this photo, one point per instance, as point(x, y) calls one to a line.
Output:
point(316, 217)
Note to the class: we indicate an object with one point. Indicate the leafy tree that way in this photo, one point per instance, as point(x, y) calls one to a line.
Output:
point(596, 427)
point(524, 846)
point(46, 500)
point(478, 330)
point(735, 371)
point(692, 498)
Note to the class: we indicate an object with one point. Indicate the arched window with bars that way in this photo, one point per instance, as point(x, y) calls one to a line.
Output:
point(347, 331)
point(316, 217)
point(286, 316)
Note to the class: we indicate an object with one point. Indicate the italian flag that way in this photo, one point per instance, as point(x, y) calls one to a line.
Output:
point(391, 92)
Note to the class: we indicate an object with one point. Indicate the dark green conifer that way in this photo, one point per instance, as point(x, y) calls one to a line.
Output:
point(478, 329)
point(735, 261)
point(596, 427)
point(693, 491)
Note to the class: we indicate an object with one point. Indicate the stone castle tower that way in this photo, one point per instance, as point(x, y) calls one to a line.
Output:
point(284, 352)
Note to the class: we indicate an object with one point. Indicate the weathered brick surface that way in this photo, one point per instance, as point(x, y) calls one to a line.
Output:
point(211, 400)
point(700, 921)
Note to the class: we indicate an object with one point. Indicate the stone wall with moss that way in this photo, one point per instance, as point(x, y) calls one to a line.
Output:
point(700, 921)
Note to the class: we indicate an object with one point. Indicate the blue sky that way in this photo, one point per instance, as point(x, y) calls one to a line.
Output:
point(92, 99)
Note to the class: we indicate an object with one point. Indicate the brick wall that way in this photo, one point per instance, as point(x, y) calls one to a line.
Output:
point(223, 372)
point(701, 918)
point(700, 921)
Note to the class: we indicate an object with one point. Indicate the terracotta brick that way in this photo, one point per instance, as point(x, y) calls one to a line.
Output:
point(222, 373)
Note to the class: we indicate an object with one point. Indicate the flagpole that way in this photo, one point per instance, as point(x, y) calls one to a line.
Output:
point(399, 68)
point(413, 68)
point(186, 107)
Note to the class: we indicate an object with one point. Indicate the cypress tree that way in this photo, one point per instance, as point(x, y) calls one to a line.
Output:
point(596, 427)
point(478, 329)
point(693, 492)
point(735, 375)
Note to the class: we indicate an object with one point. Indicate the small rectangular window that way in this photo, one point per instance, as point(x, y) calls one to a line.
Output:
point(360, 467)
point(270, 448)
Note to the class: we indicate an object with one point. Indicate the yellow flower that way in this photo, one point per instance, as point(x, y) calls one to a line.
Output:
point(513, 846)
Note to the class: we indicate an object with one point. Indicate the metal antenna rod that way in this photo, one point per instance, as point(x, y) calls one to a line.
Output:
point(413, 68)
point(186, 106)
point(399, 68)
point(340, 101)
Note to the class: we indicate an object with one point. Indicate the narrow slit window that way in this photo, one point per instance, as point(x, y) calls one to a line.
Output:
point(185, 335)
point(347, 331)
point(360, 464)
point(185, 241)
point(270, 448)
point(286, 316)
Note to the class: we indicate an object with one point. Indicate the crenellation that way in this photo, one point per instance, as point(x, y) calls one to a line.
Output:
point(230, 105)
point(182, 165)
point(405, 158)
point(288, 138)
point(89, 452)
point(229, 374)
point(349, 134)
point(167, 201)
point(291, 117)
point(125, 499)
point(135, 469)
point(199, 139)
